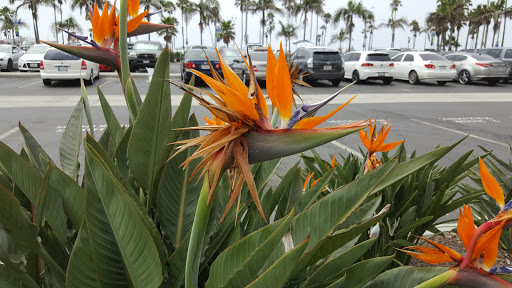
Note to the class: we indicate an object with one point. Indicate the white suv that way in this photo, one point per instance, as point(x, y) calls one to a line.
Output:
point(364, 65)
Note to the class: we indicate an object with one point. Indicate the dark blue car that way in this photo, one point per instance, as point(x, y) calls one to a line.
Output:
point(196, 59)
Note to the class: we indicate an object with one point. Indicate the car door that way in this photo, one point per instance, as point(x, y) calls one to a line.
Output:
point(398, 63)
point(16, 54)
point(407, 66)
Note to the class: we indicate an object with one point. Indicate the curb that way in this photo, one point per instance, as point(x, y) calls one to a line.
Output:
point(106, 75)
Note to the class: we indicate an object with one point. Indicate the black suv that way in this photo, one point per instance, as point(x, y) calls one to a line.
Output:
point(319, 63)
point(144, 54)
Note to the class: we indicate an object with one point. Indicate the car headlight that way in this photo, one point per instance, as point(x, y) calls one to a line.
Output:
point(310, 63)
point(133, 55)
point(21, 60)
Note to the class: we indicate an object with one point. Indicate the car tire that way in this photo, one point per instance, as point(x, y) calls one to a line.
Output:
point(441, 83)
point(464, 77)
point(98, 76)
point(355, 77)
point(387, 81)
point(336, 82)
point(91, 79)
point(493, 82)
point(9, 66)
point(245, 80)
point(23, 70)
point(413, 78)
point(185, 80)
point(133, 69)
point(47, 82)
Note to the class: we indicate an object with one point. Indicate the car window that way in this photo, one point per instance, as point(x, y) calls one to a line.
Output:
point(230, 53)
point(408, 58)
point(450, 57)
point(378, 57)
point(147, 46)
point(508, 54)
point(492, 52)
point(201, 55)
point(37, 49)
point(461, 58)
point(58, 55)
point(355, 57)
point(346, 57)
point(326, 56)
point(15, 50)
point(4, 49)
point(398, 57)
point(483, 57)
point(258, 56)
point(432, 57)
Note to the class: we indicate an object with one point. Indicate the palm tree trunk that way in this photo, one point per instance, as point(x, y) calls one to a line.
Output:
point(201, 31)
point(311, 28)
point(305, 22)
point(486, 34)
point(349, 40)
point(457, 41)
point(242, 20)
point(504, 25)
point(493, 37)
point(263, 26)
point(182, 30)
point(316, 29)
point(55, 22)
point(35, 27)
point(467, 38)
point(392, 37)
point(246, 16)
point(61, 32)
point(413, 41)
point(477, 35)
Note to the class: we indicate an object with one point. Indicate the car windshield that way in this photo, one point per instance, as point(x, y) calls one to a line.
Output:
point(260, 56)
point(37, 49)
point(378, 57)
point(432, 57)
point(201, 55)
point(58, 55)
point(5, 49)
point(147, 46)
point(326, 56)
point(231, 53)
point(483, 57)
point(493, 52)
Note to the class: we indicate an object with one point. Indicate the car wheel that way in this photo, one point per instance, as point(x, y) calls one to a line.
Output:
point(355, 77)
point(493, 82)
point(133, 69)
point(47, 82)
point(336, 82)
point(464, 77)
point(9, 66)
point(185, 80)
point(413, 78)
point(244, 79)
point(91, 79)
point(441, 83)
point(23, 70)
point(98, 76)
point(387, 81)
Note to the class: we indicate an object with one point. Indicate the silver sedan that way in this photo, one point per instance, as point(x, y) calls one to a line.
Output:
point(476, 67)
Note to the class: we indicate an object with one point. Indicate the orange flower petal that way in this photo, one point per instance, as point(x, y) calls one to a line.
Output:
point(133, 7)
point(314, 182)
point(307, 179)
point(452, 253)
point(312, 122)
point(364, 139)
point(390, 146)
point(208, 121)
point(466, 226)
point(133, 23)
point(283, 92)
point(426, 249)
point(380, 139)
point(429, 258)
point(488, 244)
point(490, 184)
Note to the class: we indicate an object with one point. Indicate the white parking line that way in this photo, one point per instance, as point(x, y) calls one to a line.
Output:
point(8, 133)
point(30, 84)
point(348, 149)
point(460, 132)
point(106, 82)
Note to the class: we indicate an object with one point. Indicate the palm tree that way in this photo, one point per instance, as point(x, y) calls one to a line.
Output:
point(287, 31)
point(327, 19)
point(227, 31)
point(348, 13)
point(148, 5)
point(83, 6)
point(415, 29)
point(394, 24)
point(340, 37)
point(242, 5)
point(303, 8)
point(69, 24)
point(317, 9)
point(436, 21)
point(182, 5)
point(496, 10)
point(6, 21)
point(170, 32)
point(367, 18)
point(189, 11)
point(324, 31)
point(54, 4)
point(214, 15)
point(289, 7)
point(33, 6)
point(271, 25)
point(263, 6)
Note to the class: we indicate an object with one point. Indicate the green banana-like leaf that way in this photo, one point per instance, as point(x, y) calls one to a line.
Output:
point(181, 117)
point(30, 181)
point(364, 212)
point(131, 99)
point(8, 279)
point(87, 107)
point(148, 149)
point(311, 195)
point(135, 242)
point(321, 218)
point(69, 148)
point(279, 273)
point(177, 196)
point(115, 130)
point(339, 283)
point(120, 154)
point(337, 264)
point(360, 273)
point(72, 195)
point(12, 269)
point(238, 265)
point(408, 277)
point(34, 149)
point(13, 218)
point(176, 267)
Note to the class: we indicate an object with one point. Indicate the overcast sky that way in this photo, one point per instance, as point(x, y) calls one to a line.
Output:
point(411, 10)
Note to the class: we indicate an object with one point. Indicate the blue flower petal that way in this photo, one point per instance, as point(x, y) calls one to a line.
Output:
point(493, 270)
point(508, 206)
point(294, 119)
point(507, 270)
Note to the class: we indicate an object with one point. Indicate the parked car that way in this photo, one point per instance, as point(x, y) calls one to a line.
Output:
point(419, 66)
point(319, 63)
point(27, 44)
point(391, 51)
point(259, 64)
point(196, 59)
point(369, 65)
point(144, 54)
point(59, 65)
point(9, 56)
point(30, 61)
point(504, 54)
point(476, 67)
point(231, 54)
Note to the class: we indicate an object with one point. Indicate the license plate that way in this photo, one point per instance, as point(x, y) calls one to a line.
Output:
point(207, 67)
point(381, 74)
point(327, 67)
point(442, 67)
point(62, 68)
point(33, 65)
point(145, 61)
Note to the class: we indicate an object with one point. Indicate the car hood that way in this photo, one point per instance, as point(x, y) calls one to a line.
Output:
point(4, 55)
point(146, 51)
point(28, 57)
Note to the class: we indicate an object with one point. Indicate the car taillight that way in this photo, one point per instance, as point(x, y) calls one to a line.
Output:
point(255, 68)
point(217, 66)
point(430, 66)
point(392, 65)
point(367, 65)
point(84, 66)
point(41, 66)
point(453, 66)
point(506, 65)
point(484, 65)
point(190, 65)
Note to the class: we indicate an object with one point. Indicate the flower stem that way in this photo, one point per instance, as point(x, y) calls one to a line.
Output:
point(439, 280)
point(197, 237)
point(478, 232)
point(123, 45)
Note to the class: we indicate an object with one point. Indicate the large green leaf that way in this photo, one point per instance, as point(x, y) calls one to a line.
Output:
point(279, 273)
point(120, 154)
point(238, 265)
point(8, 279)
point(87, 107)
point(14, 219)
point(362, 272)
point(12, 269)
point(69, 148)
point(148, 149)
point(181, 117)
point(113, 126)
point(34, 149)
point(408, 277)
point(135, 242)
point(176, 267)
point(177, 196)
